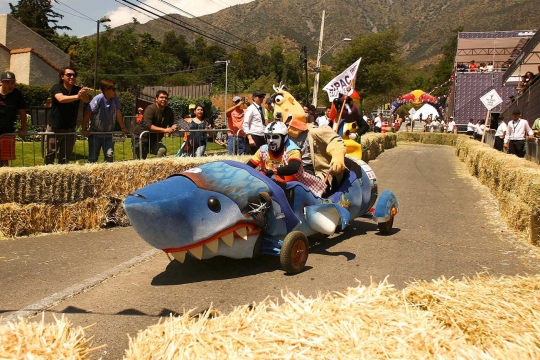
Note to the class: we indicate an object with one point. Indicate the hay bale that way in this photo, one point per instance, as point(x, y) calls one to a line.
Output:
point(92, 214)
point(485, 317)
point(499, 316)
point(364, 322)
point(38, 340)
point(428, 138)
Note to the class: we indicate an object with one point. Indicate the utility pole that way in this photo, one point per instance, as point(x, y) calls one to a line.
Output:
point(304, 60)
point(318, 65)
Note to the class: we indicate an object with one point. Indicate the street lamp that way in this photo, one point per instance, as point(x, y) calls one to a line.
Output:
point(226, 66)
point(102, 20)
point(318, 66)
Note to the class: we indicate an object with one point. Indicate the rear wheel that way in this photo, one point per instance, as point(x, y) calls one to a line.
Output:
point(386, 227)
point(294, 252)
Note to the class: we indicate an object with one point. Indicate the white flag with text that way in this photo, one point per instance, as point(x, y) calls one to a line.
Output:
point(340, 83)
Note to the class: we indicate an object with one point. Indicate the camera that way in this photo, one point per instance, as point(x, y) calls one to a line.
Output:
point(278, 116)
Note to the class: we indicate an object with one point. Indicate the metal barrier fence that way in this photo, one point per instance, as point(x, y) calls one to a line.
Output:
point(42, 148)
point(531, 146)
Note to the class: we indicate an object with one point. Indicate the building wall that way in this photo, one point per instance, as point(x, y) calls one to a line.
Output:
point(15, 35)
point(30, 69)
point(470, 87)
point(4, 59)
point(20, 65)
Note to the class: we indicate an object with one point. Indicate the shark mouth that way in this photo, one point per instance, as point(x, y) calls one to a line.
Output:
point(242, 231)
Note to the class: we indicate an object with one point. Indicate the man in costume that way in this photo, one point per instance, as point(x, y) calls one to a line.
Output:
point(323, 151)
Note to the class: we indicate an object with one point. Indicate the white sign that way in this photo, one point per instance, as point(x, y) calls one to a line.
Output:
point(412, 111)
point(491, 99)
point(340, 83)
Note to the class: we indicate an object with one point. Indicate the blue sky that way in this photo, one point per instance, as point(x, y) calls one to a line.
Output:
point(77, 12)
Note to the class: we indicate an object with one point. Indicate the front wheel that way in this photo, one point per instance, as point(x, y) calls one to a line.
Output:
point(294, 252)
point(386, 227)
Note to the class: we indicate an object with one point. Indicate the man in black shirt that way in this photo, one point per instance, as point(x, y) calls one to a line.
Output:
point(66, 98)
point(11, 104)
point(158, 119)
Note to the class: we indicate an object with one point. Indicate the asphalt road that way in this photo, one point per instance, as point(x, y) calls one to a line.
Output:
point(447, 225)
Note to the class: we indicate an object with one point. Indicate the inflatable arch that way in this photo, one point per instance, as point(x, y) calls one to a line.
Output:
point(417, 97)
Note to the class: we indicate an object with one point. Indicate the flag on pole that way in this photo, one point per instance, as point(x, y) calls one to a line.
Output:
point(339, 84)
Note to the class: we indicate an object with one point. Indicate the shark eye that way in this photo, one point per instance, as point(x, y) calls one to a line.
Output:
point(278, 99)
point(214, 204)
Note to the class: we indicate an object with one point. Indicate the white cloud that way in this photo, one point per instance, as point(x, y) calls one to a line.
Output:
point(124, 14)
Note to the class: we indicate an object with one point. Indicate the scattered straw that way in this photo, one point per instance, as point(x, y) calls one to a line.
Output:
point(38, 340)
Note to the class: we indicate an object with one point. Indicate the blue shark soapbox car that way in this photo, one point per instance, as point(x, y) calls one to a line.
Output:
point(230, 209)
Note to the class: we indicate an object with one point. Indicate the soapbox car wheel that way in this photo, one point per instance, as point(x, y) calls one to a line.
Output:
point(294, 252)
point(386, 227)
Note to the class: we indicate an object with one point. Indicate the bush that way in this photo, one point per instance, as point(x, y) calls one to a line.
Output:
point(180, 106)
point(35, 95)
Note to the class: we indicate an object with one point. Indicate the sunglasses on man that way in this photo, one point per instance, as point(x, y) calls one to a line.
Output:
point(70, 75)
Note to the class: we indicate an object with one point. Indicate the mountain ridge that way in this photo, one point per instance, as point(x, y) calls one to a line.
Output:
point(425, 25)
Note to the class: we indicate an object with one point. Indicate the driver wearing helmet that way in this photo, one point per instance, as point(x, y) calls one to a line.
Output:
point(279, 158)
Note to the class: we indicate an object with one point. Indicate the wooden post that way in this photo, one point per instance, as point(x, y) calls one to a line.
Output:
point(485, 125)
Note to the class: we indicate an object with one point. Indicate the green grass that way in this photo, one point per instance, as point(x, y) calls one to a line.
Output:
point(30, 153)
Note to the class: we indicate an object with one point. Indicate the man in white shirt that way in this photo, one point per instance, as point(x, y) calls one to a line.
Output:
point(324, 120)
point(254, 122)
point(451, 125)
point(516, 132)
point(377, 123)
point(471, 128)
point(500, 134)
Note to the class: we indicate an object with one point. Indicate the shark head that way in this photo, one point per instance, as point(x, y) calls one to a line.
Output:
point(205, 211)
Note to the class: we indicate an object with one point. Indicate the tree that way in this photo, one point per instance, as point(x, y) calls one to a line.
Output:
point(38, 15)
point(381, 72)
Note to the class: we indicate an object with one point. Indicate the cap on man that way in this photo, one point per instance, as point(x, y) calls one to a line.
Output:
point(11, 104)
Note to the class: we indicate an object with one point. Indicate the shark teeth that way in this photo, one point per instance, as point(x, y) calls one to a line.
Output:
point(228, 239)
point(197, 252)
point(213, 246)
point(180, 256)
point(242, 232)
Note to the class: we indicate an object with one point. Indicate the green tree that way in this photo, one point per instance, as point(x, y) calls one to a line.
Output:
point(382, 72)
point(445, 67)
point(39, 16)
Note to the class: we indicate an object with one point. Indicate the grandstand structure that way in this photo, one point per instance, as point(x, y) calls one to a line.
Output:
point(528, 100)
point(500, 49)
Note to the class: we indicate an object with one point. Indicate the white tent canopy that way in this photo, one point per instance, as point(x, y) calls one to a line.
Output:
point(425, 111)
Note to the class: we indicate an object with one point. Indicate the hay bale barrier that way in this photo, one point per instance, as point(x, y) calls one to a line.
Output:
point(60, 198)
point(39, 340)
point(481, 318)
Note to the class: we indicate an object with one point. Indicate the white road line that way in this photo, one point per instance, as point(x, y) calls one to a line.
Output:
point(73, 290)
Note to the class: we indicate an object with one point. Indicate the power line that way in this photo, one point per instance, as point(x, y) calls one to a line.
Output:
point(207, 23)
point(216, 39)
point(66, 12)
point(158, 74)
point(78, 12)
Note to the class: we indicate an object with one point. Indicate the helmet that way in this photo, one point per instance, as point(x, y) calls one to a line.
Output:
point(276, 127)
point(276, 134)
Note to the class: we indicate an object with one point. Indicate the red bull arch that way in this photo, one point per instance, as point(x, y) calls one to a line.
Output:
point(417, 97)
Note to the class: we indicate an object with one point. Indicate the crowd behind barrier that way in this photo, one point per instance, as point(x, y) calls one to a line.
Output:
point(32, 153)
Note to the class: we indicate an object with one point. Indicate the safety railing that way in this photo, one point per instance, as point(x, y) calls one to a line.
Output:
point(44, 148)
